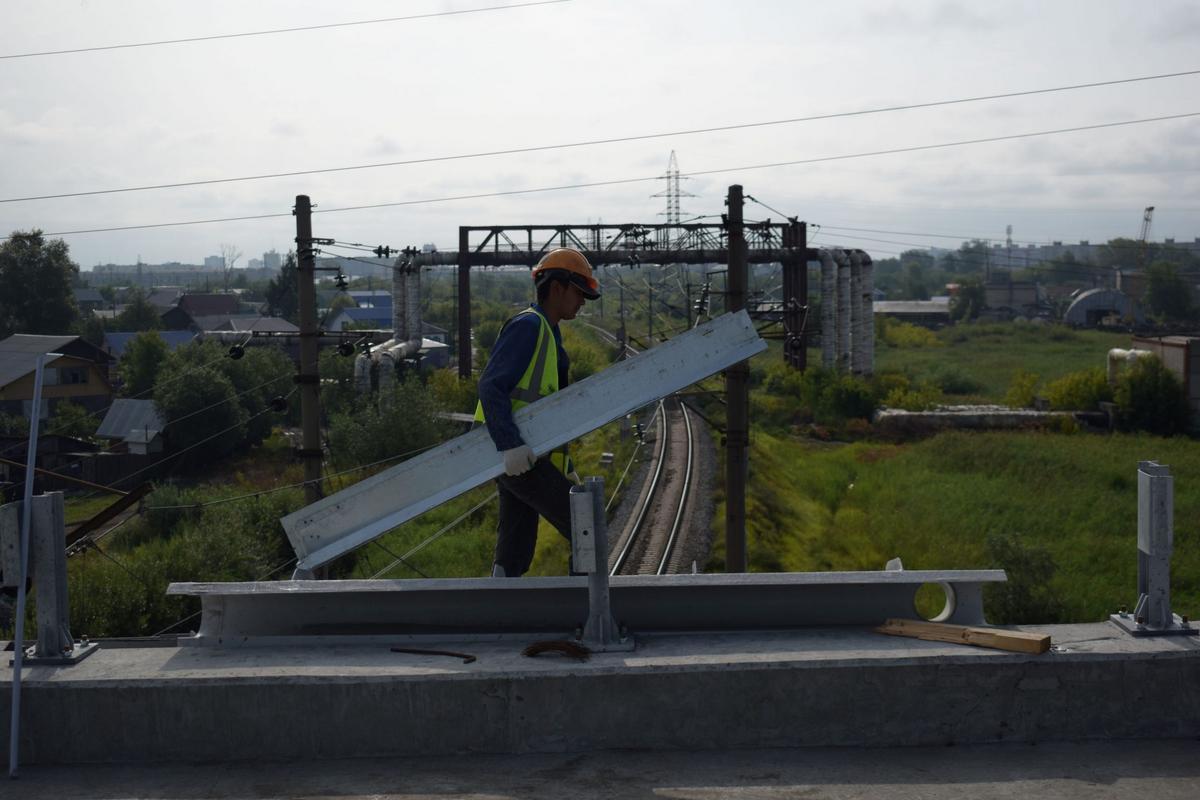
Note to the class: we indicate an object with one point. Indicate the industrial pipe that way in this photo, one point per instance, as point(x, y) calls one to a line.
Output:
point(1117, 355)
point(828, 310)
point(843, 311)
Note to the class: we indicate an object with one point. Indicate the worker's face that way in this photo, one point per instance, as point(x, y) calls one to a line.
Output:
point(570, 300)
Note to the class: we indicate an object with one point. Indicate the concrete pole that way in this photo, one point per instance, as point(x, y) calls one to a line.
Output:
point(737, 395)
point(843, 311)
point(828, 310)
point(868, 311)
point(464, 304)
point(856, 314)
point(309, 380)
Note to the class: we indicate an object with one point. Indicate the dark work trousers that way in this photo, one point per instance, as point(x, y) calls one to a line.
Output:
point(544, 491)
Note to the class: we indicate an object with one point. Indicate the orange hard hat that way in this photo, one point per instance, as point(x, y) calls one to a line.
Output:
point(568, 265)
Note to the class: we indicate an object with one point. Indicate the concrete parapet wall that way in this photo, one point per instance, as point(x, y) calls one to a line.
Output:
point(897, 421)
point(800, 688)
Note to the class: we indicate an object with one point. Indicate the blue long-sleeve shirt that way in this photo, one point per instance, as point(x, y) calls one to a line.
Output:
point(507, 362)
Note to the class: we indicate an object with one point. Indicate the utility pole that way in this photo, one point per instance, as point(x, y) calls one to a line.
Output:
point(795, 295)
point(308, 379)
point(687, 301)
point(737, 396)
point(650, 315)
point(464, 303)
point(621, 311)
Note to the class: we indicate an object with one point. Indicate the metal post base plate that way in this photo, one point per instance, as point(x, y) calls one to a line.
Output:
point(625, 644)
point(77, 653)
point(1130, 625)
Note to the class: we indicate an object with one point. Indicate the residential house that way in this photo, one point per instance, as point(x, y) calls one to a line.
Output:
point(191, 306)
point(136, 426)
point(79, 373)
point(88, 300)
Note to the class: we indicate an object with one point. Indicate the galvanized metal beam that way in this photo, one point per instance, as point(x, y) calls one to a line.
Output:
point(283, 612)
point(354, 516)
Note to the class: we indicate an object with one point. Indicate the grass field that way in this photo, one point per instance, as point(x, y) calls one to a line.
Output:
point(935, 503)
point(990, 355)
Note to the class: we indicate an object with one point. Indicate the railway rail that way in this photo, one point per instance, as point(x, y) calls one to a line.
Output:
point(655, 533)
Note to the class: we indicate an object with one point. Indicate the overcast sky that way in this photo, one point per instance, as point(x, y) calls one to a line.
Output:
point(592, 69)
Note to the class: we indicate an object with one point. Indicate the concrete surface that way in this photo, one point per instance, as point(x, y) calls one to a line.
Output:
point(806, 687)
point(1161, 770)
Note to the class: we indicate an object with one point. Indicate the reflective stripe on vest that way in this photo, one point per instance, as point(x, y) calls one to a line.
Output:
point(539, 380)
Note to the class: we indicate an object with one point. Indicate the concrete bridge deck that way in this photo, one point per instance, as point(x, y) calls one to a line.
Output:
point(693, 691)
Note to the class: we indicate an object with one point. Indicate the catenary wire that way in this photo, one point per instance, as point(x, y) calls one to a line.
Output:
point(277, 31)
point(621, 181)
point(594, 142)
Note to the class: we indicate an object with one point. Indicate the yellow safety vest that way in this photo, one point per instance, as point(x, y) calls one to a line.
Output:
point(539, 380)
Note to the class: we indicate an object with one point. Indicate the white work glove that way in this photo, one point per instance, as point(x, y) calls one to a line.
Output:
point(518, 460)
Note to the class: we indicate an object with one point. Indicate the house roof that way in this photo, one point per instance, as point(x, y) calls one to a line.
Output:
point(117, 342)
point(19, 353)
point(127, 416)
point(88, 295)
point(205, 305)
point(244, 322)
point(163, 299)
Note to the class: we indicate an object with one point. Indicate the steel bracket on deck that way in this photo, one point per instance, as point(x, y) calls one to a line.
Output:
point(1152, 615)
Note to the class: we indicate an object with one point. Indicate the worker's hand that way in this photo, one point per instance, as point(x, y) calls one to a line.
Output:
point(518, 460)
point(574, 478)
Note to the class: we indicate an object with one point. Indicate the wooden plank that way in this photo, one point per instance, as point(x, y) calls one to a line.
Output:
point(1015, 641)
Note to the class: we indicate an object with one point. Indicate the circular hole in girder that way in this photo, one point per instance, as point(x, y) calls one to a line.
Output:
point(934, 601)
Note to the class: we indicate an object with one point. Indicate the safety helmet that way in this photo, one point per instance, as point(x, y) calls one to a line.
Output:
point(570, 266)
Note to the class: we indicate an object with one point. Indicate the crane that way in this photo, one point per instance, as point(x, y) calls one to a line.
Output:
point(1144, 236)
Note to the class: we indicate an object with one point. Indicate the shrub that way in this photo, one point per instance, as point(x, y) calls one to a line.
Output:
point(1027, 597)
point(1022, 390)
point(1079, 391)
point(451, 392)
point(1150, 398)
point(952, 380)
point(905, 334)
point(401, 423)
point(921, 397)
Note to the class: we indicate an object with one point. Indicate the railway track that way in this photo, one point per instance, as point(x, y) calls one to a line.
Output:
point(653, 538)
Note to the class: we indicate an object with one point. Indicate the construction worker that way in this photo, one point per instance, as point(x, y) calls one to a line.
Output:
point(526, 363)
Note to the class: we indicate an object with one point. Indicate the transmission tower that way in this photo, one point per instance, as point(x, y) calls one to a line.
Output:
point(672, 193)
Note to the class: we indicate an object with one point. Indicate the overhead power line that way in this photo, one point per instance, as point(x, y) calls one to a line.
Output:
point(620, 181)
point(594, 142)
point(280, 30)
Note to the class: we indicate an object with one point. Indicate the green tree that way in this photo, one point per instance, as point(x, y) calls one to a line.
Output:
point(92, 330)
point(35, 285)
point(283, 292)
point(202, 410)
point(140, 363)
point(970, 300)
point(1168, 294)
point(72, 419)
point(139, 314)
point(913, 287)
point(401, 423)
